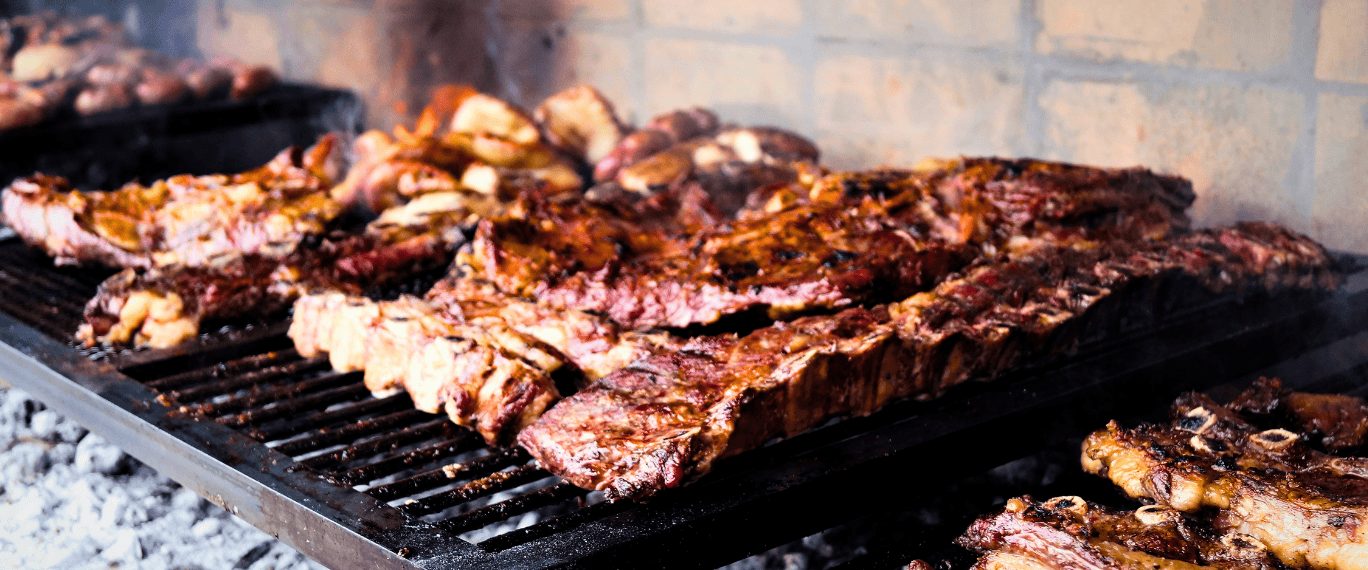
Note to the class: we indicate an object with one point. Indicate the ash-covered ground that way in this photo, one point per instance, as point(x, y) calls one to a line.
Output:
point(69, 500)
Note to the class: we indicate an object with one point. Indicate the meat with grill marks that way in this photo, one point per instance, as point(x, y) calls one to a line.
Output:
point(851, 239)
point(995, 199)
point(796, 261)
point(1309, 507)
point(163, 306)
point(1071, 533)
point(183, 220)
point(490, 361)
point(662, 421)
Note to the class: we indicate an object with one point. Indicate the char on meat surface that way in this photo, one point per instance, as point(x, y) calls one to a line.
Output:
point(851, 239)
point(1309, 507)
point(1071, 533)
point(183, 220)
point(163, 306)
point(1334, 422)
point(662, 421)
point(795, 261)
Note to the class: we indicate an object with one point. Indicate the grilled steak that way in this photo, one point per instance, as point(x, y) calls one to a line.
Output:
point(1071, 533)
point(1310, 508)
point(163, 306)
point(183, 220)
point(853, 239)
point(662, 421)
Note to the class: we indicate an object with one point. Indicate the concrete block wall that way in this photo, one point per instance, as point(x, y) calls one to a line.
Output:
point(1262, 103)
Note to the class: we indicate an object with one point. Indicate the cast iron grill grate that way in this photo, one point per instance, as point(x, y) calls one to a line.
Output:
point(310, 455)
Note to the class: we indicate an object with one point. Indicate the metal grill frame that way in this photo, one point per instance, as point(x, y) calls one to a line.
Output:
point(748, 504)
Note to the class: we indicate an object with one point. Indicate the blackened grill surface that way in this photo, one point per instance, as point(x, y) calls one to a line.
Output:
point(382, 483)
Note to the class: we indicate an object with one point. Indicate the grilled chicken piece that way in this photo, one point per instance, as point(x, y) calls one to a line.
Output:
point(158, 87)
point(1308, 507)
point(490, 147)
point(481, 114)
point(664, 420)
point(23, 106)
point(660, 133)
point(1071, 533)
point(581, 121)
point(250, 80)
point(183, 220)
point(633, 148)
point(204, 81)
point(104, 98)
point(164, 306)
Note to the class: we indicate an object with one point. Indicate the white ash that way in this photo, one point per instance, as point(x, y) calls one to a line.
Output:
point(71, 500)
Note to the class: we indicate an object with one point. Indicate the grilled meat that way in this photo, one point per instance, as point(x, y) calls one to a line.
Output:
point(582, 122)
point(1310, 508)
point(488, 378)
point(793, 262)
point(1071, 533)
point(183, 220)
point(662, 421)
point(998, 199)
point(1333, 422)
point(483, 357)
point(853, 239)
point(659, 134)
point(163, 306)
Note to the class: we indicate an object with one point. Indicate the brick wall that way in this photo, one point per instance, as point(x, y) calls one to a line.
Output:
point(1262, 103)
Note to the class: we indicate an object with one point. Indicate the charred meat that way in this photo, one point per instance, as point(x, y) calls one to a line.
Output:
point(851, 240)
point(183, 220)
point(163, 306)
point(662, 421)
point(1069, 532)
point(1307, 506)
point(488, 360)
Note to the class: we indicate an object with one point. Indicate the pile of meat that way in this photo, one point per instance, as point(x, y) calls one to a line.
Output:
point(714, 288)
point(50, 62)
point(1269, 480)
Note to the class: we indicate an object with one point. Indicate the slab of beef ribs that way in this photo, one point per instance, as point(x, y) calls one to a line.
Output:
point(489, 360)
point(1270, 479)
point(183, 220)
point(163, 306)
point(845, 240)
point(1071, 533)
point(661, 421)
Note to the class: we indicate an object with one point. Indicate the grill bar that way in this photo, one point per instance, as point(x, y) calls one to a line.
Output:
point(258, 397)
point(503, 510)
point(341, 393)
point(421, 456)
point(239, 366)
point(256, 378)
point(496, 459)
point(482, 487)
point(321, 439)
point(557, 525)
point(380, 444)
point(346, 412)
